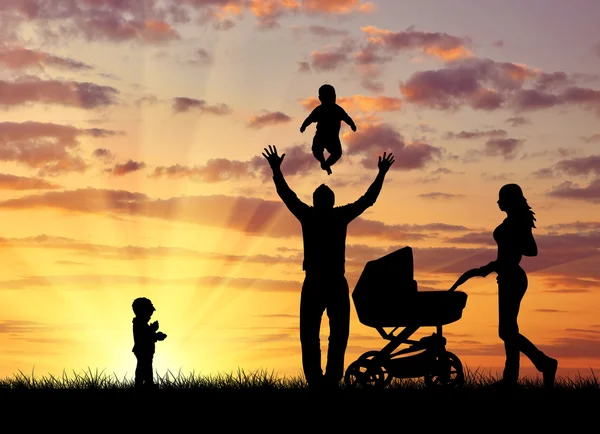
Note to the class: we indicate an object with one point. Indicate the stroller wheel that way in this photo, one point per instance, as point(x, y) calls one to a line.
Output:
point(366, 373)
point(448, 372)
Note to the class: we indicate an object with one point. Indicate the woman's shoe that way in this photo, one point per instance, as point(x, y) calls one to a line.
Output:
point(549, 372)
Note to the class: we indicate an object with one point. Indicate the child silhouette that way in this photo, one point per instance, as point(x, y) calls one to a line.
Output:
point(144, 336)
point(328, 116)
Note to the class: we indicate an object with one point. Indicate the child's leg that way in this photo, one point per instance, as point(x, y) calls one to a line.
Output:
point(335, 152)
point(139, 371)
point(149, 373)
point(318, 149)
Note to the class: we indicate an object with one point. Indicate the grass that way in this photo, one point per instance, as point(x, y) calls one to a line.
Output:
point(265, 384)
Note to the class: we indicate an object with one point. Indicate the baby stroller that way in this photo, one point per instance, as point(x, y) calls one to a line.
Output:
point(386, 296)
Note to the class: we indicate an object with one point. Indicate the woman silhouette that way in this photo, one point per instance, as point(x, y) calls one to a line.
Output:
point(514, 238)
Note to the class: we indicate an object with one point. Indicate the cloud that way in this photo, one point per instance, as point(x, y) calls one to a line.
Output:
point(438, 195)
point(13, 182)
point(146, 99)
point(183, 104)
point(359, 103)
point(104, 20)
point(597, 49)
point(567, 254)
point(104, 251)
point(269, 12)
point(498, 44)
point(476, 134)
point(66, 93)
point(20, 58)
point(98, 281)
point(569, 285)
point(484, 84)
point(321, 31)
point(577, 226)
point(50, 148)
point(331, 59)
point(104, 155)
point(110, 27)
point(371, 141)
point(518, 121)
point(582, 166)
point(128, 167)
point(201, 57)
point(570, 190)
point(594, 138)
point(23, 326)
point(297, 161)
point(303, 66)
point(248, 215)
point(268, 118)
point(440, 45)
point(506, 148)
point(215, 170)
point(553, 153)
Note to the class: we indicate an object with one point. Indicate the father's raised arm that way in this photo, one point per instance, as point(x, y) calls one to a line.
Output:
point(355, 209)
point(291, 200)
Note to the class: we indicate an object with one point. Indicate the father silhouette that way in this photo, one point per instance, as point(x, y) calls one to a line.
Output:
point(325, 286)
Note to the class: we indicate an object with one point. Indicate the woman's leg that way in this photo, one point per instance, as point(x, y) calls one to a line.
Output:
point(546, 365)
point(511, 289)
point(509, 302)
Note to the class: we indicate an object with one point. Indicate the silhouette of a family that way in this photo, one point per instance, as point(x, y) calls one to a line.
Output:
point(325, 288)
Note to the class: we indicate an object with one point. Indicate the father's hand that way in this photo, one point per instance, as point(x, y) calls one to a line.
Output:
point(385, 163)
point(272, 157)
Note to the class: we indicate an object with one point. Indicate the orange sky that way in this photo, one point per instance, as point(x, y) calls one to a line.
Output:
point(130, 165)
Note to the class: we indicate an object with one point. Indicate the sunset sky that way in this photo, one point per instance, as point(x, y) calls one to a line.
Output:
point(130, 165)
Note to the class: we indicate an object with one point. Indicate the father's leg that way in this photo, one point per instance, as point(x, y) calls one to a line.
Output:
point(338, 311)
point(311, 312)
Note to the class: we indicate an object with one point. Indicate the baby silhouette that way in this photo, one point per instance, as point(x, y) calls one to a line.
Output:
point(328, 116)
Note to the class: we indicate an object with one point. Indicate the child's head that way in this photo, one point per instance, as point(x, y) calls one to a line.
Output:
point(143, 307)
point(327, 93)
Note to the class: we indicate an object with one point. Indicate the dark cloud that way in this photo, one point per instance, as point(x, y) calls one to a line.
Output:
point(594, 138)
point(371, 141)
point(21, 58)
point(128, 167)
point(13, 182)
point(201, 57)
point(66, 93)
point(518, 121)
point(183, 104)
point(104, 155)
point(476, 134)
point(331, 59)
point(50, 148)
point(268, 118)
point(570, 190)
point(484, 84)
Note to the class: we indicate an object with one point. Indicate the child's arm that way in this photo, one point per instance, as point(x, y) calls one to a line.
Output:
point(346, 118)
point(312, 117)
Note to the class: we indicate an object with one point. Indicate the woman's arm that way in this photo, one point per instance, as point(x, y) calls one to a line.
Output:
point(473, 272)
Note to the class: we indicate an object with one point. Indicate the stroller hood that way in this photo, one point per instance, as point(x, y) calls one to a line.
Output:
point(386, 280)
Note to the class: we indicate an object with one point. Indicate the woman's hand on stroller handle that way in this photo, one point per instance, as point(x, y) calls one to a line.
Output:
point(467, 275)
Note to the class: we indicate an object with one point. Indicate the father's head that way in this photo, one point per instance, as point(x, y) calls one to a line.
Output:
point(323, 197)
